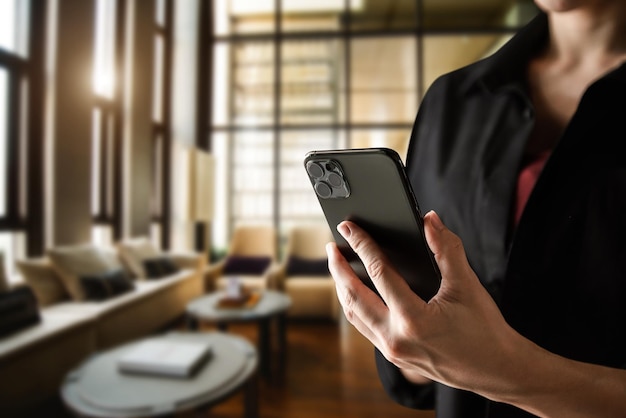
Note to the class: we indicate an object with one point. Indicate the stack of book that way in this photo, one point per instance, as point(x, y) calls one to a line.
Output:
point(165, 357)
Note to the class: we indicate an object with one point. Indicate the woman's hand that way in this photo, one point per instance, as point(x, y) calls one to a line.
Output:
point(458, 338)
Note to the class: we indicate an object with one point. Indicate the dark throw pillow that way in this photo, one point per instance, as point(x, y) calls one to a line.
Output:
point(159, 267)
point(297, 266)
point(106, 285)
point(246, 265)
point(18, 310)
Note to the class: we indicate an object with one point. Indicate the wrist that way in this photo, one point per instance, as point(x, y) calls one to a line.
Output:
point(530, 375)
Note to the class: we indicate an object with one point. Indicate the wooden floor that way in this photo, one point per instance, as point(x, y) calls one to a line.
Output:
point(330, 372)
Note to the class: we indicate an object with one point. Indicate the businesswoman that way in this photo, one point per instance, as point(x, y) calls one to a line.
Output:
point(522, 157)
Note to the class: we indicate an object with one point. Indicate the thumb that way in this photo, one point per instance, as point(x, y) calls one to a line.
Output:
point(448, 250)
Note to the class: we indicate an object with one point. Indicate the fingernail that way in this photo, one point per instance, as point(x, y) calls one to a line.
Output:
point(436, 220)
point(344, 230)
point(329, 250)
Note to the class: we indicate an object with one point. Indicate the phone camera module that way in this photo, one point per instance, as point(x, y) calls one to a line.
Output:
point(323, 190)
point(315, 170)
point(328, 179)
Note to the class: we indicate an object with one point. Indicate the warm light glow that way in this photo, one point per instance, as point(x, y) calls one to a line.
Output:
point(12, 247)
point(102, 235)
point(7, 25)
point(104, 60)
point(104, 83)
point(95, 158)
point(14, 26)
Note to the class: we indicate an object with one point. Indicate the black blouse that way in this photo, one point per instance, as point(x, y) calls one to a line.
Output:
point(560, 276)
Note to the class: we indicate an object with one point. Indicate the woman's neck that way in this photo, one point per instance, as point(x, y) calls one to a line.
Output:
point(594, 35)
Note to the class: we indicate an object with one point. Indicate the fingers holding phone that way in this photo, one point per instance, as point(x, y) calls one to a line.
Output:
point(449, 339)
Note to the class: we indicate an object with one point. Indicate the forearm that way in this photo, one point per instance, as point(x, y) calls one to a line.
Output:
point(548, 385)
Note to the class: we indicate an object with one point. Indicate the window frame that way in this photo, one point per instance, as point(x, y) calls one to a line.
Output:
point(24, 216)
point(108, 185)
point(161, 136)
point(346, 33)
point(18, 72)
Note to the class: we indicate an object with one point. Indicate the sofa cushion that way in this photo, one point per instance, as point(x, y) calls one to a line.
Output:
point(159, 267)
point(18, 310)
point(246, 265)
point(298, 267)
point(39, 274)
point(73, 262)
point(106, 285)
point(144, 288)
point(133, 252)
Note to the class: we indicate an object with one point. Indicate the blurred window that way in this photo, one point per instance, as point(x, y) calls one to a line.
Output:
point(14, 109)
point(104, 50)
point(383, 77)
point(385, 16)
point(455, 15)
point(312, 82)
point(14, 26)
point(291, 76)
point(161, 142)
point(461, 49)
point(105, 129)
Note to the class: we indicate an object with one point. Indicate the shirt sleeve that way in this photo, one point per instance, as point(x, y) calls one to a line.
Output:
point(400, 389)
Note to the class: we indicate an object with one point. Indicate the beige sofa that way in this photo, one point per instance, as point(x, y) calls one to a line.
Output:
point(34, 361)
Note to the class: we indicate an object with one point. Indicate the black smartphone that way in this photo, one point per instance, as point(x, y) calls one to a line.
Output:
point(370, 187)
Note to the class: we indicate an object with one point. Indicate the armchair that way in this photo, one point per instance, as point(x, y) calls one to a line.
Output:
point(250, 256)
point(303, 274)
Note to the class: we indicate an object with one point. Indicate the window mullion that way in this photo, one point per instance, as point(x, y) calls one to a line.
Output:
point(13, 151)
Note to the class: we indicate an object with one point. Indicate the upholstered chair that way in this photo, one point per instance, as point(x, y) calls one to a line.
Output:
point(303, 274)
point(250, 257)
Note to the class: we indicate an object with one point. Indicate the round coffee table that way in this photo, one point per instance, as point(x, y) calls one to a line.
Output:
point(98, 389)
point(272, 306)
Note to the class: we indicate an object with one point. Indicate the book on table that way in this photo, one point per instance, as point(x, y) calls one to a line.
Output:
point(165, 357)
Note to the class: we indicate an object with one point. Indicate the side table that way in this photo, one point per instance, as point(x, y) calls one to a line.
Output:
point(97, 389)
point(273, 305)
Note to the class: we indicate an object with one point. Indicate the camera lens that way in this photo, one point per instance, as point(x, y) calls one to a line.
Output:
point(323, 190)
point(314, 169)
point(335, 180)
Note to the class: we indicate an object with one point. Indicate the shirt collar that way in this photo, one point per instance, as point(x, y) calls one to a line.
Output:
point(507, 66)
